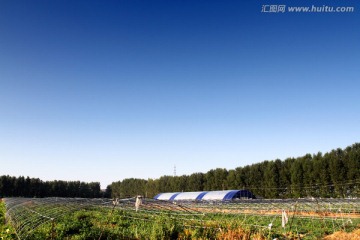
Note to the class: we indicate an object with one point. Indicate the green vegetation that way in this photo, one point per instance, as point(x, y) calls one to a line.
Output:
point(161, 220)
point(6, 230)
point(333, 174)
point(93, 223)
point(34, 187)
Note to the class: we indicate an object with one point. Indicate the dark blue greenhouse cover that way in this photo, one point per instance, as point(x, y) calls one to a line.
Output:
point(233, 194)
point(201, 195)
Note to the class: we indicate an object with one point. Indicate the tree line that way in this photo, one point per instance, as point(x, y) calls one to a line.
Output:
point(34, 187)
point(333, 174)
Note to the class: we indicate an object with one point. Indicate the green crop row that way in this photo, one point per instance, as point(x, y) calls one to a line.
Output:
point(109, 223)
point(6, 230)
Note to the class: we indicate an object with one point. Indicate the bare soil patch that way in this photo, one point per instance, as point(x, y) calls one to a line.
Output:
point(354, 235)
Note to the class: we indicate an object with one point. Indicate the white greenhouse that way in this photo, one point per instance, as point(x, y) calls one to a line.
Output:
point(226, 195)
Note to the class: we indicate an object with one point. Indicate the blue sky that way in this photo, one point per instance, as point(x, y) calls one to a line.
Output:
point(107, 90)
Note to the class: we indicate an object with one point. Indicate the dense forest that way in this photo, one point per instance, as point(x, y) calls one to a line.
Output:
point(34, 187)
point(333, 174)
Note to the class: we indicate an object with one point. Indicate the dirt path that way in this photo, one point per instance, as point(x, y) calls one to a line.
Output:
point(279, 212)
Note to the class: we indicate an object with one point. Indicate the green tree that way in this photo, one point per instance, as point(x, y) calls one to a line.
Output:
point(272, 182)
point(297, 179)
point(231, 180)
point(337, 172)
point(196, 182)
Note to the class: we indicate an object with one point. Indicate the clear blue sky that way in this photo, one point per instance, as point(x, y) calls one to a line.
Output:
point(107, 90)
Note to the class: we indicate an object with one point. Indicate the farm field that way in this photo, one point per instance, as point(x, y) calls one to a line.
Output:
point(80, 218)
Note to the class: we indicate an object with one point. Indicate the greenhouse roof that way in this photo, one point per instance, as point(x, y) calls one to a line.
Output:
point(205, 195)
